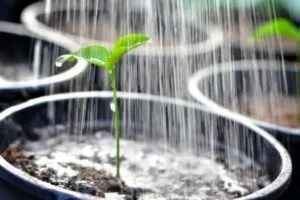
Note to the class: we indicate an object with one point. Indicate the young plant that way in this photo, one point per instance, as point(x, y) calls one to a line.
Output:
point(278, 27)
point(107, 59)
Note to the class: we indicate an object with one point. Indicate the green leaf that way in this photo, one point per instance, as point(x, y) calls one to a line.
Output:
point(131, 41)
point(280, 27)
point(126, 44)
point(94, 54)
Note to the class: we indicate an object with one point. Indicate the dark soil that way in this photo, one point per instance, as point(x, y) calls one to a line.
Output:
point(151, 174)
point(88, 181)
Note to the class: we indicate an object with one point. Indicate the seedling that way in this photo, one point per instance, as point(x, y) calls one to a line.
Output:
point(281, 27)
point(107, 59)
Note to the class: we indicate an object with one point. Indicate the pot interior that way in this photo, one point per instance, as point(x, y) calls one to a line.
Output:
point(161, 126)
point(26, 58)
point(114, 19)
point(265, 91)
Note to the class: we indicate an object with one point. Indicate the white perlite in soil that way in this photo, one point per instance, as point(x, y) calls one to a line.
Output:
point(170, 175)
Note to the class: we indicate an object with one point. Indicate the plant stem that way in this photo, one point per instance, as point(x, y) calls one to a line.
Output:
point(116, 121)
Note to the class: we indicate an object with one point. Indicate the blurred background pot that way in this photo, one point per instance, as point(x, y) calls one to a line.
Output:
point(179, 46)
point(241, 86)
point(27, 65)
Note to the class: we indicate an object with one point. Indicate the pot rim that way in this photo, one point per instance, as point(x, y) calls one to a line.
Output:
point(204, 73)
point(30, 15)
point(20, 30)
point(282, 178)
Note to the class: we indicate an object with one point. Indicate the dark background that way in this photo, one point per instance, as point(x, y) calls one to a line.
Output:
point(10, 9)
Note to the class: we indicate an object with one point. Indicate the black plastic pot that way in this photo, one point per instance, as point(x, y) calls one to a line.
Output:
point(9, 192)
point(18, 53)
point(141, 116)
point(228, 84)
point(143, 69)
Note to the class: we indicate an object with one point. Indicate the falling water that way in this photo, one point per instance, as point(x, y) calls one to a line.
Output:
point(36, 60)
point(186, 36)
point(162, 67)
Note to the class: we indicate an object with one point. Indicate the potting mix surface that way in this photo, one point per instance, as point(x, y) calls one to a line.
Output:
point(149, 172)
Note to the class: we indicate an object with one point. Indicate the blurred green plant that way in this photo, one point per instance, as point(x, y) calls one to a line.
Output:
point(107, 59)
point(278, 27)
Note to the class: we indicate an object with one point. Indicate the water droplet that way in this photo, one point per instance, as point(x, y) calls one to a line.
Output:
point(60, 61)
point(113, 106)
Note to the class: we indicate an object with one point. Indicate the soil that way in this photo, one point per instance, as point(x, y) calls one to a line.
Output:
point(150, 173)
point(89, 180)
point(281, 110)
